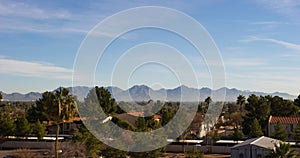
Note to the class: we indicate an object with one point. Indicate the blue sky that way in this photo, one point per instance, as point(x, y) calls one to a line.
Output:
point(258, 41)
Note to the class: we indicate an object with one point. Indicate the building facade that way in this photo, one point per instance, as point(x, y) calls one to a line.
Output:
point(288, 123)
point(254, 148)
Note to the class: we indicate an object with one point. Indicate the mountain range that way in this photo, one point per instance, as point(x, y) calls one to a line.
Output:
point(145, 93)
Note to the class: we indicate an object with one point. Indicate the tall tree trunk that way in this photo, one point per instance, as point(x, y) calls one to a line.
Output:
point(56, 140)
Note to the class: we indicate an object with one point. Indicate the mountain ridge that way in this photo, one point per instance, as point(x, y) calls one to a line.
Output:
point(144, 93)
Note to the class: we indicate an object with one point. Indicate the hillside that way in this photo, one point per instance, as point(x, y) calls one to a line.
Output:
point(144, 93)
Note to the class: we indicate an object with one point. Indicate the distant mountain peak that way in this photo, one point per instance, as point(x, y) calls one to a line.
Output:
point(144, 93)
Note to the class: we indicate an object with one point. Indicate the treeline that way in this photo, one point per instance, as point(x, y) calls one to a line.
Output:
point(23, 120)
point(249, 116)
point(14, 121)
point(259, 109)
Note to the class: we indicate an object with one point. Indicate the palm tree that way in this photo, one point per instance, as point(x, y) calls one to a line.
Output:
point(282, 151)
point(208, 100)
point(241, 100)
point(58, 107)
point(66, 107)
point(1, 97)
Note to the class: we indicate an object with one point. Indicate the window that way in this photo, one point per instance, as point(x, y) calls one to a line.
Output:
point(259, 156)
point(241, 155)
point(292, 127)
point(67, 126)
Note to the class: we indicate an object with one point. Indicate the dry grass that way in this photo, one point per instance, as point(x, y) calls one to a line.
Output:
point(25, 153)
point(216, 156)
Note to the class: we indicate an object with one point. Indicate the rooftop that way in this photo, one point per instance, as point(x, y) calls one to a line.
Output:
point(285, 120)
point(263, 141)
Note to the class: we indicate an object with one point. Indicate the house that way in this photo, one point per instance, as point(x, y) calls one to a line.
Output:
point(254, 148)
point(225, 131)
point(130, 117)
point(156, 118)
point(289, 123)
point(67, 127)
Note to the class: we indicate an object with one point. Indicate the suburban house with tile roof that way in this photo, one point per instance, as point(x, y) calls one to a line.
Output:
point(130, 117)
point(67, 127)
point(289, 123)
point(254, 148)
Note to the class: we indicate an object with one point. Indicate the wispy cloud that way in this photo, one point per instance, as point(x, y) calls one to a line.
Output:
point(16, 16)
point(241, 62)
point(289, 8)
point(33, 69)
point(269, 23)
point(25, 17)
point(279, 42)
point(23, 10)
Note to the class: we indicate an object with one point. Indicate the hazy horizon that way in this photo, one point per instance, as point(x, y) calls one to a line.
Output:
point(124, 89)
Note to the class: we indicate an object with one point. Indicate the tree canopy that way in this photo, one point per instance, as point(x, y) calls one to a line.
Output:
point(39, 130)
point(279, 132)
point(257, 108)
point(7, 126)
point(237, 134)
point(241, 100)
point(208, 100)
point(297, 133)
point(58, 107)
point(255, 130)
point(282, 150)
point(297, 101)
point(23, 128)
point(282, 107)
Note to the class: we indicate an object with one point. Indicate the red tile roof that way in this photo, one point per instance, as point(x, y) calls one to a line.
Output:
point(285, 120)
point(155, 117)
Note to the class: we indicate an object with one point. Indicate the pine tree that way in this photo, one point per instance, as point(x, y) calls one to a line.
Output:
point(280, 133)
point(22, 127)
point(92, 144)
point(7, 126)
point(297, 133)
point(40, 130)
point(215, 137)
point(141, 124)
point(237, 134)
point(297, 101)
point(255, 129)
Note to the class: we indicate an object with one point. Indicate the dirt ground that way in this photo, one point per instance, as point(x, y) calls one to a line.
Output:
point(167, 155)
point(216, 155)
point(181, 155)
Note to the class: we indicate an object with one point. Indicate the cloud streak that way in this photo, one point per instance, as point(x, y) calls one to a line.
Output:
point(22, 17)
point(288, 8)
point(269, 23)
point(26, 17)
point(23, 10)
point(33, 69)
point(275, 41)
point(242, 62)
